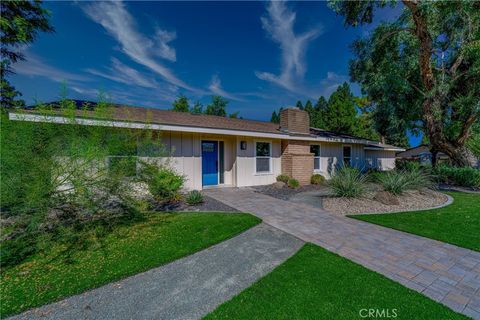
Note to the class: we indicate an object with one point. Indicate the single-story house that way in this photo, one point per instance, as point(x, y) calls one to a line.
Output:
point(421, 154)
point(219, 151)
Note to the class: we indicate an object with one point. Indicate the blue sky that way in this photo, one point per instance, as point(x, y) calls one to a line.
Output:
point(259, 55)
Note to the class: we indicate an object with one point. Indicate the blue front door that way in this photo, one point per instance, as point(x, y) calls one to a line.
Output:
point(209, 163)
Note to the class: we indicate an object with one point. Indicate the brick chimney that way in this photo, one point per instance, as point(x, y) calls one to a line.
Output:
point(294, 120)
point(296, 159)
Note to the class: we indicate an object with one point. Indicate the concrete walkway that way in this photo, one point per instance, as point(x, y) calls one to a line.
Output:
point(188, 288)
point(443, 272)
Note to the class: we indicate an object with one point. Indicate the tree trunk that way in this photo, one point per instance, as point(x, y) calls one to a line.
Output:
point(459, 155)
point(432, 111)
point(434, 153)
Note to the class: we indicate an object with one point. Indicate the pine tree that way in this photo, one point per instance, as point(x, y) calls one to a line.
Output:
point(341, 113)
point(275, 117)
point(318, 120)
point(299, 105)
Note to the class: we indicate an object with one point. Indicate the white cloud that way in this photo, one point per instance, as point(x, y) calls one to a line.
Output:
point(279, 23)
point(119, 23)
point(34, 66)
point(216, 88)
point(120, 72)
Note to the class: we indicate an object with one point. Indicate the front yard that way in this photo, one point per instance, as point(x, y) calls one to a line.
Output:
point(317, 284)
point(458, 223)
point(63, 269)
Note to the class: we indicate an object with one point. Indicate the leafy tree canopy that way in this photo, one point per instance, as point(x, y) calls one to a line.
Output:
point(218, 107)
point(20, 23)
point(197, 108)
point(181, 104)
point(421, 71)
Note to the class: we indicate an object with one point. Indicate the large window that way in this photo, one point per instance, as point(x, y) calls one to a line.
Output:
point(347, 156)
point(263, 154)
point(315, 149)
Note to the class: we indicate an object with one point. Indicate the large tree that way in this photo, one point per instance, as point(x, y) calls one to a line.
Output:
point(341, 113)
point(181, 104)
point(423, 69)
point(218, 107)
point(20, 23)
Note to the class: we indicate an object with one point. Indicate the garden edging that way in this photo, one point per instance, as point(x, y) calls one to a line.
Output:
point(446, 203)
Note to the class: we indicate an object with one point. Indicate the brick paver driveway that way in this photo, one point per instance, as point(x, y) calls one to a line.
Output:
point(443, 272)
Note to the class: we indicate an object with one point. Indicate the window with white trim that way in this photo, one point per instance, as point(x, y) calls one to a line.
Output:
point(347, 156)
point(263, 156)
point(315, 149)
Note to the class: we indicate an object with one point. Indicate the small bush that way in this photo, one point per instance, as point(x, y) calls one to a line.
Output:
point(283, 178)
point(464, 176)
point(397, 182)
point(407, 165)
point(348, 182)
point(317, 179)
point(194, 197)
point(163, 183)
point(293, 183)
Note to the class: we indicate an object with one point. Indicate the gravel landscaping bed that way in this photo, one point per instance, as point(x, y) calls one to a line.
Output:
point(410, 200)
point(286, 193)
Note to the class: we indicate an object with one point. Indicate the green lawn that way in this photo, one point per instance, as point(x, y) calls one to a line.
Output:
point(317, 284)
point(458, 223)
point(128, 249)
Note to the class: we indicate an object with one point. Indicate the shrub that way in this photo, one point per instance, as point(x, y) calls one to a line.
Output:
point(293, 183)
point(283, 178)
point(461, 176)
point(317, 179)
point(194, 197)
point(407, 165)
point(348, 182)
point(397, 182)
point(163, 183)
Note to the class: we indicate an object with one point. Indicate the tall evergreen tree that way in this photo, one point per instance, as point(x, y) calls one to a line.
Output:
point(20, 23)
point(181, 104)
point(309, 108)
point(299, 105)
point(275, 118)
point(318, 120)
point(341, 113)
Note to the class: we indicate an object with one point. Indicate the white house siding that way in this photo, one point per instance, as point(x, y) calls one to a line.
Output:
point(245, 163)
point(185, 149)
point(186, 156)
point(380, 159)
point(331, 157)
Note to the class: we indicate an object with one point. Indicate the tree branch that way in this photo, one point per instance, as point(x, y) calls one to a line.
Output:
point(464, 132)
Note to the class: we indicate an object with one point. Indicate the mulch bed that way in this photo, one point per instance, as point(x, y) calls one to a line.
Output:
point(209, 204)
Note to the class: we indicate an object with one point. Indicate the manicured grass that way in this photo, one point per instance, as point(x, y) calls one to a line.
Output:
point(458, 223)
point(317, 284)
point(128, 249)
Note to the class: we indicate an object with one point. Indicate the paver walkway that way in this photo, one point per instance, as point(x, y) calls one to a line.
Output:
point(443, 272)
point(188, 288)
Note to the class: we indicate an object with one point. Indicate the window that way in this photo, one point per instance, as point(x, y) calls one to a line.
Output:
point(263, 157)
point(315, 149)
point(347, 156)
